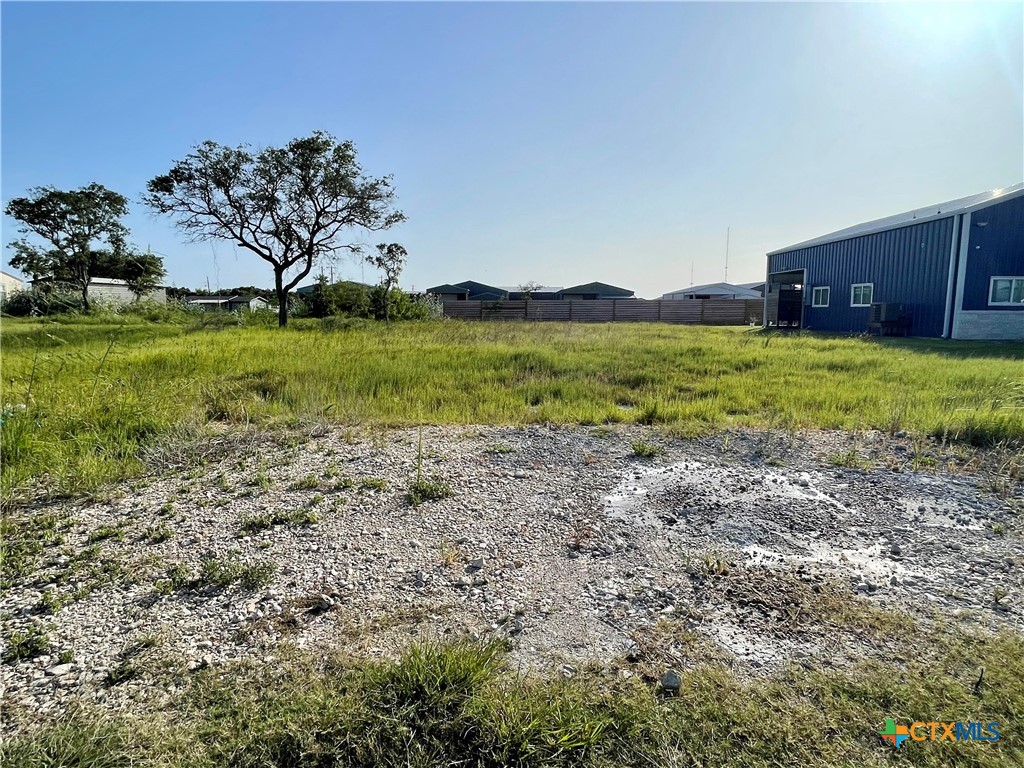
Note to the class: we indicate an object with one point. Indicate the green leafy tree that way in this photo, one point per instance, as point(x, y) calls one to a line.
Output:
point(70, 225)
point(320, 301)
point(352, 299)
point(290, 206)
point(142, 271)
point(390, 259)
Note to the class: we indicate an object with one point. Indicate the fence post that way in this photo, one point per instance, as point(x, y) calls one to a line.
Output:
point(613, 309)
point(526, 310)
point(481, 310)
point(570, 310)
point(659, 310)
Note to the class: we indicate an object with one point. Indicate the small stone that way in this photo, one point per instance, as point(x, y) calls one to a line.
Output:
point(59, 670)
point(895, 549)
point(671, 682)
point(477, 563)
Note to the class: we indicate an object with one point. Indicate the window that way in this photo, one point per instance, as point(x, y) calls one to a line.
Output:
point(820, 297)
point(1006, 290)
point(860, 296)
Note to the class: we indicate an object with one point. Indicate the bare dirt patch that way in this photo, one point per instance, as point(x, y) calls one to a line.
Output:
point(756, 548)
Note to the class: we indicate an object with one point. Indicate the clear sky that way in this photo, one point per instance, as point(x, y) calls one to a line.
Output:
point(548, 142)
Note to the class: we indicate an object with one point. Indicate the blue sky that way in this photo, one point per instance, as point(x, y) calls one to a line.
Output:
point(549, 142)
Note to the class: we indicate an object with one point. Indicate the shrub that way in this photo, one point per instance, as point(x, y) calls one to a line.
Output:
point(34, 303)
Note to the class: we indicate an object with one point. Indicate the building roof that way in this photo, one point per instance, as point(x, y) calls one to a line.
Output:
point(13, 277)
point(447, 288)
point(538, 289)
point(197, 299)
point(474, 287)
point(736, 290)
point(602, 288)
point(918, 215)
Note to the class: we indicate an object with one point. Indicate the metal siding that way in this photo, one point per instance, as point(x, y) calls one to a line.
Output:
point(993, 250)
point(908, 266)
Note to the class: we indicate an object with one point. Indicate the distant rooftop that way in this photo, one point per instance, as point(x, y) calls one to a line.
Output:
point(937, 211)
point(710, 288)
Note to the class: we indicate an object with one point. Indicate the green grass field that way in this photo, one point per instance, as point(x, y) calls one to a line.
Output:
point(97, 392)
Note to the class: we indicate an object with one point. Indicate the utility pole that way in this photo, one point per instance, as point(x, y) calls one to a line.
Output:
point(727, 254)
point(691, 274)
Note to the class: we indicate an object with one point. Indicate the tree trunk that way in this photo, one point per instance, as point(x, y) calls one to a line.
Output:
point(387, 302)
point(282, 299)
point(85, 297)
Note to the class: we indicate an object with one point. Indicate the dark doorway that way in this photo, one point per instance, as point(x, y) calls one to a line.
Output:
point(784, 300)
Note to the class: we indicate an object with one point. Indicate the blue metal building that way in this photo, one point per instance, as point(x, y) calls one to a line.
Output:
point(954, 270)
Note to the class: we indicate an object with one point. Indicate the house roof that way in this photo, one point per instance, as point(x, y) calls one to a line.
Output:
point(13, 277)
point(916, 216)
point(758, 284)
point(598, 288)
point(447, 288)
point(539, 289)
point(197, 299)
point(474, 287)
point(304, 289)
point(737, 290)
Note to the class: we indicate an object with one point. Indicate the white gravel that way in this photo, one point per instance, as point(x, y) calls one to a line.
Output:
point(558, 538)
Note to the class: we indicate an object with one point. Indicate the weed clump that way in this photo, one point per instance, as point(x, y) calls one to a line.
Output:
point(644, 450)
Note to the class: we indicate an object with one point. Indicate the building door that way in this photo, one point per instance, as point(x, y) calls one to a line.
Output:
point(784, 300)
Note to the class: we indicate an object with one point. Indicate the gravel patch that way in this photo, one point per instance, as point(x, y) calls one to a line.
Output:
point(558, 538)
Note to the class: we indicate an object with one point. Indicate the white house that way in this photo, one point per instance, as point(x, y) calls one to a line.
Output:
point(717, 291)
point(113, 292)
point(10, 284)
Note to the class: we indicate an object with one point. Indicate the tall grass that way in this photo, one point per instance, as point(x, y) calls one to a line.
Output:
point(95, 393)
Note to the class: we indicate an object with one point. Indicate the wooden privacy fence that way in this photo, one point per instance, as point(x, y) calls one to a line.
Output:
point(694, 311)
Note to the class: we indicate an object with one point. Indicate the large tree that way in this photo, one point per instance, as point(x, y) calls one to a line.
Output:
point(71, 224)
point(290, 206)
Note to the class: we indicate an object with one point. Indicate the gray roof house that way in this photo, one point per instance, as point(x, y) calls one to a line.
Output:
point(716, 291)
point(449, 292)
point(591, 291)
point(227, 303)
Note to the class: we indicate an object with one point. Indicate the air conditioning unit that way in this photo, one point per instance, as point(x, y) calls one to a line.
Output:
point(886, 313)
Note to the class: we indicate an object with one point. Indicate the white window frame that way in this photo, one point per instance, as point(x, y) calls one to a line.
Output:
point(992, 284)
point(862, 286)
point(814, 295)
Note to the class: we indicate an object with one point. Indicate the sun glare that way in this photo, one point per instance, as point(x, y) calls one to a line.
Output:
point(943, 24)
